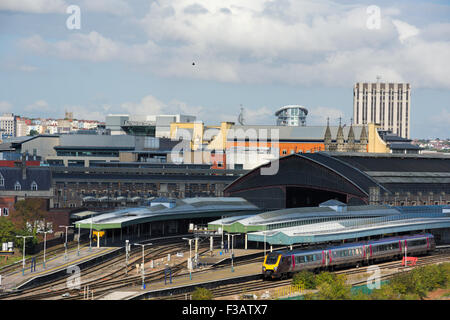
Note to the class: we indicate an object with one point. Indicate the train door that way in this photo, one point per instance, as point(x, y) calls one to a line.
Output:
point(367, 252)
point(286, 266)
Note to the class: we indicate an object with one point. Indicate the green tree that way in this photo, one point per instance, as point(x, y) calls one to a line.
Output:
point(28, 212)
point(386, 292)
point(202, 294)
point(306, 279)
point(334, 288)
point(326, 277)
point(33, 132)
point(7, 231)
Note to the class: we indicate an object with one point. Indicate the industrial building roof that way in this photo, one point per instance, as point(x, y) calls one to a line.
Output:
point(350, 229)
point(301, 216)
point(288, 133)
point(185, 208)
point(352, 173)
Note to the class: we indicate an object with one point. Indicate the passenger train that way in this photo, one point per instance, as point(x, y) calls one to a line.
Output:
point(282, 264)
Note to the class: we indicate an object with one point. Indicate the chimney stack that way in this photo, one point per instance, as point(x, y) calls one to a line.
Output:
point(24, 167)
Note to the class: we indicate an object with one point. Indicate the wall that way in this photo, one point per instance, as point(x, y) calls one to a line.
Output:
point(7, 202)
point(43, 145)
point(375, 143)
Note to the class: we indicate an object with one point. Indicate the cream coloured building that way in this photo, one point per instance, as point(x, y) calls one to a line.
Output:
point(387, 104)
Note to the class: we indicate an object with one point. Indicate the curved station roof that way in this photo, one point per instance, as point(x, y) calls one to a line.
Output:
point(333, 221)
point(350, 229)
point(170, 210)
point(349, 177)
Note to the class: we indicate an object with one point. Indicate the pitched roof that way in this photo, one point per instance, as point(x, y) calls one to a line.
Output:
point(42, 177)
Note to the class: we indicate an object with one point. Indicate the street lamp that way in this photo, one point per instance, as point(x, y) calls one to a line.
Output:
point(265, 239)
point(45, 240)
point(90, 235)
point(232, 250)
point(221, 245)
point(79, 234)
point(190, 258)
point(23, 260)
point(65, 244)
point(143, 272)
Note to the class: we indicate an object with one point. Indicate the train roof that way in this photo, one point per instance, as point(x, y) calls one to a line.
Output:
point(354, 244)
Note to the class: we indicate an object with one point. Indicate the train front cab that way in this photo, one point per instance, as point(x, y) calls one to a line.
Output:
point(270, 265)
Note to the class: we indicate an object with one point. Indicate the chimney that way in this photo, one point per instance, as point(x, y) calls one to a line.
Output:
point(24, 167)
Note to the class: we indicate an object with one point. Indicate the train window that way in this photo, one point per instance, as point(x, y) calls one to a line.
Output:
point(272, 258)
point(419, 242)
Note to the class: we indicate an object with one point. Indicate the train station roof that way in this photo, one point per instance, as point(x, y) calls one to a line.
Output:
point(333, 220)
point(355, 178)
point(414, 220)
point(188, 208)
point(327, 211)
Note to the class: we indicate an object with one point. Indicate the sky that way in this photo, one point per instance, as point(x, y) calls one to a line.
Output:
point(210, 58)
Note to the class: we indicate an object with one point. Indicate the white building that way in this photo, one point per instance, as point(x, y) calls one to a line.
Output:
point(114, 122)
point(8, 125)
point(387, 104)
point(163, 122)
point(21, 128)
point(292, 115)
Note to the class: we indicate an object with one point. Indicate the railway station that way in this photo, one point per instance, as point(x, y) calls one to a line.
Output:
point(313, 199)
point(164, 217)
point(306, 180)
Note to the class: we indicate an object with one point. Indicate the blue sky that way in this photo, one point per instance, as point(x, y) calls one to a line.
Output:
point(136, 57)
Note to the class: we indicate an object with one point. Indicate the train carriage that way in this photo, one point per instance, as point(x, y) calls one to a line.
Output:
point(280, 264)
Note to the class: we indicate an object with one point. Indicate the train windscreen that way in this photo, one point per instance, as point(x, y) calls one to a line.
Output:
point(272, 258)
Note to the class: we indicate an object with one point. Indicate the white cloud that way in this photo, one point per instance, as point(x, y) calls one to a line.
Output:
point(149, 105)
point(442, 118)
point(114, 7)
point(5, 106)
point(282, 41)
point(319, 115)
point(27, 68)
point(39, 106)
point(34, 6)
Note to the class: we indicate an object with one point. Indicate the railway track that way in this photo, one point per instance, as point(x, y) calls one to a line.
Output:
point(47, 290)
point(257, 285)
point(117, 279)
point(49, 254)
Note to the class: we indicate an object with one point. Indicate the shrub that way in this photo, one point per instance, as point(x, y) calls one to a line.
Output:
point(202, 294)
point(325, 277)
point(305, 279)
point(334, 288)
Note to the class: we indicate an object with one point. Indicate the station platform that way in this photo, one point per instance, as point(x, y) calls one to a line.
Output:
point(186, 280)
point(218, 255)
point(199, 276)
point(18, 278)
